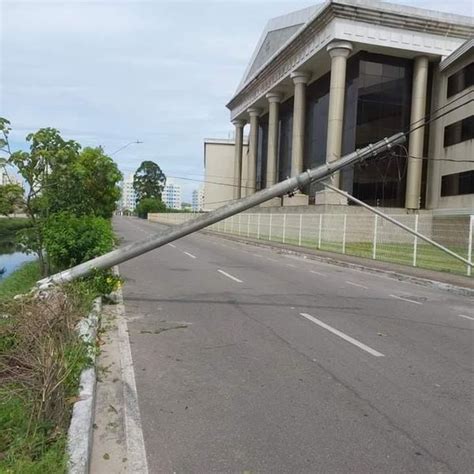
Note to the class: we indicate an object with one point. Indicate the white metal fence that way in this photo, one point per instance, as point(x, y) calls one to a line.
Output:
point(360, 234)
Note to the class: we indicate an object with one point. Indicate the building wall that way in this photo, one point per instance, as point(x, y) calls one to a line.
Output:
point(219, 172)
point(460, 152)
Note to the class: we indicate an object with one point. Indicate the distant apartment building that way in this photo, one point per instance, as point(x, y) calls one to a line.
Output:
point(171, 196)
point(198, 199)
point(129, 198)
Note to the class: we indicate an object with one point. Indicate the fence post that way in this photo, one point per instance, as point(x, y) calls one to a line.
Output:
point(374, 243)
point(284, 228)
point(320, 230)
point(415, 242)
point(248, 225)
point(344, 234)
point(299, 233)
point(258, 226)
point(239, 222)
point(469, 249)
point(270, 227)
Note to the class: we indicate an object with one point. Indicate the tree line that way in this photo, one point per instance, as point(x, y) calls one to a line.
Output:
point(69, 198)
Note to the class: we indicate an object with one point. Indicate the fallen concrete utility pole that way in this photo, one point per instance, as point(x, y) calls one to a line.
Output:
point(397, 223)
point(288, 186)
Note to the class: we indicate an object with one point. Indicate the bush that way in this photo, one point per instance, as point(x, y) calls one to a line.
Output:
point(70, 240)
point(150, 205)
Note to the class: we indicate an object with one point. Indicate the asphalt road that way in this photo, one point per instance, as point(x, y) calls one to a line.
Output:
point(250, 361)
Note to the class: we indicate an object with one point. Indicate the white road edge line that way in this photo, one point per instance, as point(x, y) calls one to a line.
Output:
point(405, 299)
point(190, 255)
point(347, 338)
point(356, 284)
point(467, 317)
point(135, 443)
point(317, 273)
point(230, 276)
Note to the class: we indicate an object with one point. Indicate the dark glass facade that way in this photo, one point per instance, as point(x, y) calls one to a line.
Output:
point(285, 139)
point(377, 104)
point(262, 148)
point(317, 107)
point(383, 105)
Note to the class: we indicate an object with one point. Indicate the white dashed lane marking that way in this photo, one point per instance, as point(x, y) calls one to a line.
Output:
point(466, 317)
point(190, 255)
point(347, 338)
point(405, 299)
point(356, 284)
point(222, 272)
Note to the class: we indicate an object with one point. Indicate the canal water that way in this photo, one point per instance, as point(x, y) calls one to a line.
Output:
point(11, 258)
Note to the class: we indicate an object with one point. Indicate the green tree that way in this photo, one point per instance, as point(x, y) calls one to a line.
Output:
point(11, 198)
point(46, 169)
point(99, 176)
point(89, 186)
point(147, 205)
point(149, 181)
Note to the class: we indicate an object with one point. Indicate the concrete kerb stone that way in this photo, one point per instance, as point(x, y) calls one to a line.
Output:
point(458, 290)
point(79, 439)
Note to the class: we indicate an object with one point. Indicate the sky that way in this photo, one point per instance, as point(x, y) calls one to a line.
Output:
point(111, 72)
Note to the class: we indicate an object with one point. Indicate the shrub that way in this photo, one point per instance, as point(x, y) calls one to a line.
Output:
point(147, 205)
point(70, 240)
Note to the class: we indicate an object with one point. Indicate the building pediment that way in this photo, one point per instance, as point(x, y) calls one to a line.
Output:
point(288, 42)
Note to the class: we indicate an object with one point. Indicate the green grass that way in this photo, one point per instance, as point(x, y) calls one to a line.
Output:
point(37, 453)
point(34, 441)
point(428, 257)
point(20, 281)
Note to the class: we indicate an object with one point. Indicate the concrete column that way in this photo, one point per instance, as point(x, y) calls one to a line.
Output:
point(300, 79)
point(415, 146)
point(339, 52)
point(239, 139)
point(254, 113)
point(274, 99)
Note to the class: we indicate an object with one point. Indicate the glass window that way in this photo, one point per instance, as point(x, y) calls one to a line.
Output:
point(317, 106)
point(461, 80)
point(285, 139)
point(457, 183)
point(459, 132)
point(262, 148)
point(383, 108)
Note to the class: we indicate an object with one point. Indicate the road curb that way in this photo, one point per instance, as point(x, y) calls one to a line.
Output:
point(458, 290)
point(79, 438)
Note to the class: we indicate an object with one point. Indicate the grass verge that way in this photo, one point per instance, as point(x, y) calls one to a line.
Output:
point(20, 281)
point(41, 359)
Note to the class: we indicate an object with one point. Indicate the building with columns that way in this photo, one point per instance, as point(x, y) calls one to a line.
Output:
point(328, 79)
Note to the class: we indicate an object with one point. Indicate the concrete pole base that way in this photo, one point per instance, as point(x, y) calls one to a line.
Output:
point(297, 200)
